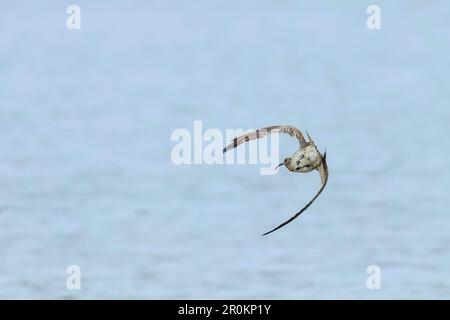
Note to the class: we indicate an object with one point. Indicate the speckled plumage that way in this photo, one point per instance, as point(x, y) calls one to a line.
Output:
point(307, 158)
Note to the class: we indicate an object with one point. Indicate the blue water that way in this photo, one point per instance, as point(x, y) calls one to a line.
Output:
point(87, 179)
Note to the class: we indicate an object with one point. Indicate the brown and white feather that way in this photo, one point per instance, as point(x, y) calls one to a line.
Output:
point(260, 133)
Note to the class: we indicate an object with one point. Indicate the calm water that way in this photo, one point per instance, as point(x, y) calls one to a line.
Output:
point(85, 124)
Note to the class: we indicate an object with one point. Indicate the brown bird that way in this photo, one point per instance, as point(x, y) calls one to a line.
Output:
point(305, 159)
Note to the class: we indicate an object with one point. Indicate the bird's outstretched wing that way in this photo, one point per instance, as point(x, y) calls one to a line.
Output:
point(323, 171)
point(292, 131)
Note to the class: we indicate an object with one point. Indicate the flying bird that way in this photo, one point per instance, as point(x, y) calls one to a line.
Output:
point(307, 158)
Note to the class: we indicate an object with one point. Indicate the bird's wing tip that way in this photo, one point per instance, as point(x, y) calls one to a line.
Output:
point(265, 234)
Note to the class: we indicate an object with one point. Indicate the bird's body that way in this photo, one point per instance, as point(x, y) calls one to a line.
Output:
point(306, 159)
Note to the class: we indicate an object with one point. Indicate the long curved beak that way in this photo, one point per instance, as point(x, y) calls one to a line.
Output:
point(279, 166)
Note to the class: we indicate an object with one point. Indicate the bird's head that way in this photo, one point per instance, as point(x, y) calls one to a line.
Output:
point(286, 163)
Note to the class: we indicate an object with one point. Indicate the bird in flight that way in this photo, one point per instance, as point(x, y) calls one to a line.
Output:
point(305, 159)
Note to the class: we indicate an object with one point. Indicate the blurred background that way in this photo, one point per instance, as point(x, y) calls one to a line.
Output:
point(87, 179)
